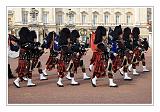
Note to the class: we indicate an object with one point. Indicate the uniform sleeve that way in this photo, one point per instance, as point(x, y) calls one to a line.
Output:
point(114, 47)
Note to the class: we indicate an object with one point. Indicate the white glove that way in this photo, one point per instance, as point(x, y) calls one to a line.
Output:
point(130, 51)
point(115, 54)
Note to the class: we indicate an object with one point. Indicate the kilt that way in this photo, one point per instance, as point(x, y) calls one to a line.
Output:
point(51, 62)
point(99, 65)
point(138, 53)
point(117, 63)
point(23, 67)
point(61, 66)
point(93, 57)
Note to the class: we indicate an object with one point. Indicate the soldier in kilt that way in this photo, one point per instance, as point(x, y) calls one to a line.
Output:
point(35, 56)
point(24, 62)
point(101, 58)
point(78, 52)
point(65, 62)
point(50, 43)
point(118, 53)
point(139, 47)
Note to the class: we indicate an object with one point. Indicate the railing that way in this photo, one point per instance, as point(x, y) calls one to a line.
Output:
point(84, 24)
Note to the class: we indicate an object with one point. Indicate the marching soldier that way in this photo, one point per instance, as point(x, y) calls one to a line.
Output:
point(118, 53)
point(139, 46)
point(65, 62)
point(24, 62)
point(78, 52)
point(100, 58)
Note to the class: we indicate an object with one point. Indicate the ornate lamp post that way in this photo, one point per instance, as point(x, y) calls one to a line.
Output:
point(34, 14)
point(70, 23)
point(34, 23)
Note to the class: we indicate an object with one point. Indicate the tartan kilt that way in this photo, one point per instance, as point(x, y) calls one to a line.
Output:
point(138, 54)
point(129, 57)
point(76, 63)
point(23, 66)
point(61, 66)
point(99, 65)
point(117, 63)
point(94, 55)
point(51, 62)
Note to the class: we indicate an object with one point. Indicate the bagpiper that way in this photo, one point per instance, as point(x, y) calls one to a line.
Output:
point(24, 62)
point(35, 56)
point(100, 58)
point(78, 52)
point(139, 47)
point(51, 43)
point(118, 53)
point(65, 62)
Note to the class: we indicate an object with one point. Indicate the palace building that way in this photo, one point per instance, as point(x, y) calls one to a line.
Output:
point(46, 19)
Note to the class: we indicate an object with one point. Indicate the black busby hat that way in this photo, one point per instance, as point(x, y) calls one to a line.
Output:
point(118, 30)
point(135, 31)
point(33, 35)
point(100, 31)
point(74, 35)
point(64, 35)
point(126, 31)
point(24, 35)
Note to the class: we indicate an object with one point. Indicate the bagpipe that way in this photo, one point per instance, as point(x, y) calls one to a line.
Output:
point(36, 53)
point(145, 44)
point(139, 51)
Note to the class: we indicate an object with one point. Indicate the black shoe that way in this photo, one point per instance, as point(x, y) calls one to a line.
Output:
point(68, 78)
point(87, 79)
point(121, 73)
point(43, 79)
point(93, 84)
point(16, 85)
point(31, 85)
point(75, 84)
point(60, 85)
point(128, 79)
point(114, 86)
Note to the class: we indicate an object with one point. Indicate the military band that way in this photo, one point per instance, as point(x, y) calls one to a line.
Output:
point(114, 50)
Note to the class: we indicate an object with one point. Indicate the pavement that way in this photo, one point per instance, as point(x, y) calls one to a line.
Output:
point(137, 91)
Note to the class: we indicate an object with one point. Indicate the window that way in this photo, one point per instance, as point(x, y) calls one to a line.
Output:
point(45, 17)
point(71, 18)
point(106, 19)
point(128, 19)
point(83, 18)
point(117, 19)
point(94, 19)
point(24, 17)
point(60, 19)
